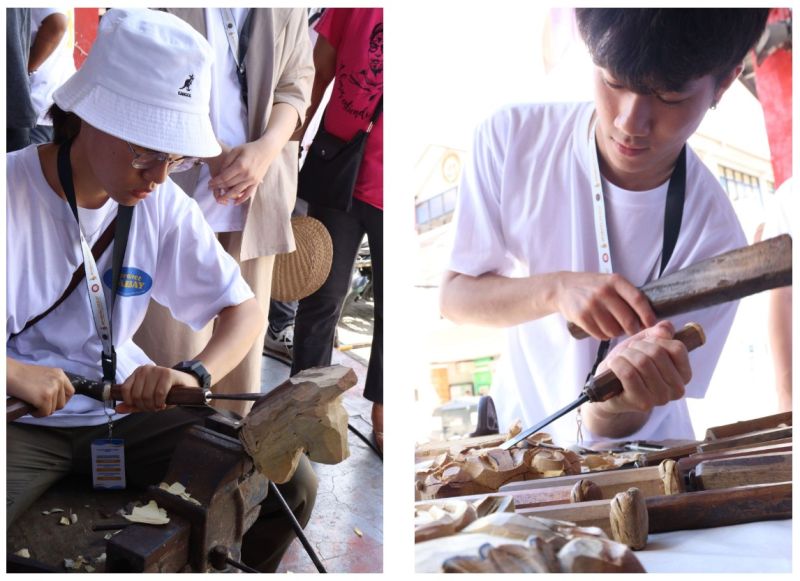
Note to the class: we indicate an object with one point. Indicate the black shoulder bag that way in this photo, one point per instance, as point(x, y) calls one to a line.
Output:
point(329, 173)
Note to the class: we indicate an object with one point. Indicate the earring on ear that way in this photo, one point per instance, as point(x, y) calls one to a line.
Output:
point(713, 105)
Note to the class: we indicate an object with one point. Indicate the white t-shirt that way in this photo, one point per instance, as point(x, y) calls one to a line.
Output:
point(56, 69)
point(782, 212)
point(172, 256)
point(228, 118)
point(525, 208)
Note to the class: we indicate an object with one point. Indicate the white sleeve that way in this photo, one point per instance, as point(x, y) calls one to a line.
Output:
point(479, 244)
point(195, 278)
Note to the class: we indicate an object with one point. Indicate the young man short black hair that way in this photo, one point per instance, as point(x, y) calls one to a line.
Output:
point(562, 215)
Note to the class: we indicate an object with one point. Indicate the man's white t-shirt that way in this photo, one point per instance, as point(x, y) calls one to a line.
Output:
point(172, 256)
point(56, 69)
point(525, 208)
point(228, 118)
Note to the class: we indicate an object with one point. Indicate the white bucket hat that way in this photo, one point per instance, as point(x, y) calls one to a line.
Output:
point(147, 80)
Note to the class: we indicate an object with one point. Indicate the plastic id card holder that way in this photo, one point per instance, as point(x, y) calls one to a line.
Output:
point(108, 463)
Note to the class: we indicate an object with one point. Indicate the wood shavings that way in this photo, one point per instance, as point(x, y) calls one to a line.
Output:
point(65, 521)
point(24, 553)
point(178, 489)
point(73, 518)
point(150, 514)
point(101, 559)
point(56, 510)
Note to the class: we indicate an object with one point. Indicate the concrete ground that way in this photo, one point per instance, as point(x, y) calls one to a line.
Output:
point(346, 527)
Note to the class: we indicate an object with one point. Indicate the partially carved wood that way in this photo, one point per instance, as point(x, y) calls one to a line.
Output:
point(585, 490)
point(628, 519)
point(534, 545)
point(670, 477)
point(588, 555)
point(486, 470)
point(303, 414)
point(432, 521)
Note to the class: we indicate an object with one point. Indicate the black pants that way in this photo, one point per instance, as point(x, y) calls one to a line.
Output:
point(318, 314)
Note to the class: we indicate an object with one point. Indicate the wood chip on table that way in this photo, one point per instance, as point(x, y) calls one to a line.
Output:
point(150, 514)
point(178, 489)
point(24, 553)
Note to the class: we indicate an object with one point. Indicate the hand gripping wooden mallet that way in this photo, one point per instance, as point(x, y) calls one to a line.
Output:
point(726, 277)
point(606, 385)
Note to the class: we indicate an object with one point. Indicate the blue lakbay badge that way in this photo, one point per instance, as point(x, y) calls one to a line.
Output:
point(132, 281)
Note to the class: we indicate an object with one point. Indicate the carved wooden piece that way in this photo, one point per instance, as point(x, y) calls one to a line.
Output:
point(748, 470)
point(588, 555)
point(747, 426)
point(628, 519)
point(670, 477)
point(303, 414)
point(729, 276)
point(585, 490)
point(512, 543)
point(486, 470)
point(443, 519)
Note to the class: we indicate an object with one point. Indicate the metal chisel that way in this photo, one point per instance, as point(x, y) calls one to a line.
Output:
point(605, 386)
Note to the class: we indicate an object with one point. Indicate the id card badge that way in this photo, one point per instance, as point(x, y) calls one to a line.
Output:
point(108, 463)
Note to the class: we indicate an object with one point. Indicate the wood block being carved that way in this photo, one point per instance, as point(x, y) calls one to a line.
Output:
point(303, 414)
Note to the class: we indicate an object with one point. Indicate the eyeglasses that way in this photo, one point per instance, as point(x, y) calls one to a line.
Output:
point(151, 159)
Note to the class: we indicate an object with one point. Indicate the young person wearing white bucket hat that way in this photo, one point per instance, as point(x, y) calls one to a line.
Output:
point(135, 112)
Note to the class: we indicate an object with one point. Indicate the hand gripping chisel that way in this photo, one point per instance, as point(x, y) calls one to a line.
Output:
point(606, 385)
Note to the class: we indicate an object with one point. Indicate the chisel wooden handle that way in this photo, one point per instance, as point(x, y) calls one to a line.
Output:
point(747, 470)
point(178, 395)
point(727, 277)
point(607, 385)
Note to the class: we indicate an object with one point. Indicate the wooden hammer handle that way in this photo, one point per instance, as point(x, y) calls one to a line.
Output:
point(607, 385)
point(727, 277)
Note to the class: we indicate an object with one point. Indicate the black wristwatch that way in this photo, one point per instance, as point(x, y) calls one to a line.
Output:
point(197, 369)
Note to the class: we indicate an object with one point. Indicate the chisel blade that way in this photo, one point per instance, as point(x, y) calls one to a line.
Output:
point(546, 422)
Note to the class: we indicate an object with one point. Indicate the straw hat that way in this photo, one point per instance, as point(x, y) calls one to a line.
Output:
point(147, 80)
point(300, 273)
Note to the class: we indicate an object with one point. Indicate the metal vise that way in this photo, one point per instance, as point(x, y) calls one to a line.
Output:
point(222, 478)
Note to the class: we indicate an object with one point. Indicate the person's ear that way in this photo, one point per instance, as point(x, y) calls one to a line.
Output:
point(725, 84)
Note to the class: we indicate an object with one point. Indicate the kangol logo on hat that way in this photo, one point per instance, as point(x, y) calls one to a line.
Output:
point(187, 84)
point(120, 92)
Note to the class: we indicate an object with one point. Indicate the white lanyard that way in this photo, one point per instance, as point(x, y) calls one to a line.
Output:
point(97, 298)
point(232, 33)
point(600, 224)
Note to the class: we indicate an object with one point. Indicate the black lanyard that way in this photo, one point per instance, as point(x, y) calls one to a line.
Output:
point(121, 232)
point(673, 215)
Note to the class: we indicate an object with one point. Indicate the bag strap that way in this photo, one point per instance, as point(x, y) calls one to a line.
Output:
point(376, 114)
point(97, 251)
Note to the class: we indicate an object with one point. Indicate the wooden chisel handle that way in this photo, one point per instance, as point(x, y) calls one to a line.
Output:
point(727, 277)
point(178, 395)
point(607, 385)
point(747, 470)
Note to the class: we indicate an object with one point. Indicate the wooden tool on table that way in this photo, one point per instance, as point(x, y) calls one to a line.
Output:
point(606, 385)
point(668, 478)
point(692, 510)
point(727, 277)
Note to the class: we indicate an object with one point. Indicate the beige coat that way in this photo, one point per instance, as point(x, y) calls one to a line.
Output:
point(280, 69)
